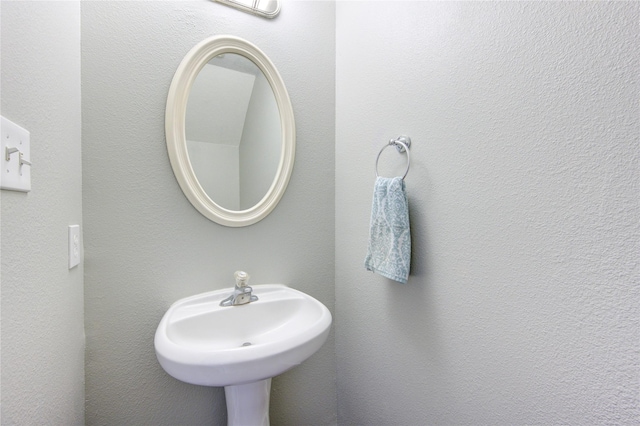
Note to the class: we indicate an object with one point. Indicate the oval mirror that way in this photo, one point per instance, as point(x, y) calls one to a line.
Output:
point(230, 131)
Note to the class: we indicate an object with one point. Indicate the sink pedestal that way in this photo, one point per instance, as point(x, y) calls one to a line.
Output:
point(248, 404)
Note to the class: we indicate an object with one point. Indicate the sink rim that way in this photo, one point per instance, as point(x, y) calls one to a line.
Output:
point(183, 361)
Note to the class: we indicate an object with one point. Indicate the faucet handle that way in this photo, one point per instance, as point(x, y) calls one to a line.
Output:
point(242, 278)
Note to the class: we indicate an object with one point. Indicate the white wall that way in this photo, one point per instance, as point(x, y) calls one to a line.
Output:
point(524, 297)
point(42, 300)
point(146, 246)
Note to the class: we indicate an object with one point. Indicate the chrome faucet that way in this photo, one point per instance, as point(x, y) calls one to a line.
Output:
point(241, 293)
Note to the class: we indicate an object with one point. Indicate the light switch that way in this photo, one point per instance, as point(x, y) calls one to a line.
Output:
point(74, 246)
point(15, 157)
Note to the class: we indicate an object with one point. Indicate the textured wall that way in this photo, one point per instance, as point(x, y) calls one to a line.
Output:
point(42, 300)
point(523, 304)
point(146, 246)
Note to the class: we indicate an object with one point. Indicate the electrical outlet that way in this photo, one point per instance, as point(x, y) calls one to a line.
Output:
point(74, 246)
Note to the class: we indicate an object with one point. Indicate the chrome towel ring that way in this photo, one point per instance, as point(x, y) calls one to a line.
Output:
point(402, 144)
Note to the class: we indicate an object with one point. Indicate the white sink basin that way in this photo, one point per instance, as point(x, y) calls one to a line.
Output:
point(200, 342)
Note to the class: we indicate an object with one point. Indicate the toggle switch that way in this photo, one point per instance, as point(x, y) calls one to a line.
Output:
point(15, 157)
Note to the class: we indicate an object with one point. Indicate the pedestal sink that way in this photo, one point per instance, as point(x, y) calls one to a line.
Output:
point(241, 347)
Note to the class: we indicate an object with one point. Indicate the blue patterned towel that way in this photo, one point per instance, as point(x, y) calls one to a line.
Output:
point(389, 252)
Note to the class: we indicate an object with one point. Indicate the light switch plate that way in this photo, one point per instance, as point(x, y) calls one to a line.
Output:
point(74, 246)
point(15, 157)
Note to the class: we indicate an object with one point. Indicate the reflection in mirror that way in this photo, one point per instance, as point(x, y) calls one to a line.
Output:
point(266, 8)
point(233, 132)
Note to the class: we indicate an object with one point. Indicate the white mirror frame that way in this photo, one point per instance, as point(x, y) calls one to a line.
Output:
point(175, 115)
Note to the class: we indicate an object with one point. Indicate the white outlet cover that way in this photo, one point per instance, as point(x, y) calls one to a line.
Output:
point(14, 176)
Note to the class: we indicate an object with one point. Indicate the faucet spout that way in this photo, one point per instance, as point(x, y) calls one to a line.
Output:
point(241, 292)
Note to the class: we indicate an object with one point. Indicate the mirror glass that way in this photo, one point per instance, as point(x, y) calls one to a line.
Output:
point(233, 131)
point(230, 131)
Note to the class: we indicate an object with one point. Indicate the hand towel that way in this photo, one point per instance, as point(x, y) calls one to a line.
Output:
point(389, 251)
